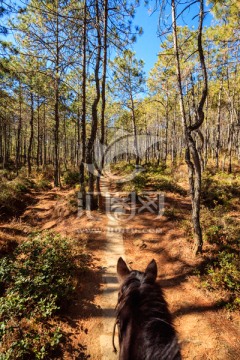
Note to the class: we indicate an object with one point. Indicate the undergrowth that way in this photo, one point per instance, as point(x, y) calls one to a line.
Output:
point(37, 282)
point(152, 177)
point(13, 195)
point(71, 177)
point(222, 272)
point(123, 167)
point(163, 181)
point(219, 189)
point(221, 235)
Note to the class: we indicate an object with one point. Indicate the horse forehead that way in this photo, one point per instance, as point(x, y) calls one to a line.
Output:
point(135, 274)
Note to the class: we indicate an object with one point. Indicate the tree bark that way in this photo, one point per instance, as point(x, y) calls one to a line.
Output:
point(56, 107)
point(18, 145)
point(103, 95)
point(218, 124)
point(192, 156)
point(83, 118)
point(29, 154)
point(135, 130)
point(92, 138)
point(38, 131)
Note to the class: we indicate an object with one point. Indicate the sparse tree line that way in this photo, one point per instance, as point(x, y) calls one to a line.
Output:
point(71, 78)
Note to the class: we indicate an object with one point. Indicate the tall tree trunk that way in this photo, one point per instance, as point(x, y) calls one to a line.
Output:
point(65, 142)
point(92, 138)
point(218, 124)
point(206, 136)
point(44, 136)
point(56, 106)
point(102, 137)
point(166, 131)
point(38, 130)
point(192, 155)
point(174, 138)
point(29, 154)
point(1, 140)
point(19, 129)
point(231, 96)
point(136, 145)
point(56, 136)
point(83, 119)
point(4, 161)
point(25, 147)
point(230, 140)
point(78, 132)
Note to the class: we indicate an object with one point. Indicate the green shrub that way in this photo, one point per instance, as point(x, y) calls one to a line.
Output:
point(219, 227)
point(7, 175)
point(214, 234)
point(42, 184)
point(163, 182)
point(38, 270)
point(222, 273)
point(219, 189)
point(157, 178)
point(171, 213)
point(71, 177)
point(123, 167)
point(161, 168)
point(139, 182)
point(3, 174)
point(72, 201)
point(234, 304)
point(22, 185)
point(48, 172)
point(37, 282)
point(13, 195)
point(32, 340)
point(225, 272)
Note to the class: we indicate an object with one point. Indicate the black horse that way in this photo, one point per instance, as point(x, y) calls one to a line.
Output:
point(144, 322)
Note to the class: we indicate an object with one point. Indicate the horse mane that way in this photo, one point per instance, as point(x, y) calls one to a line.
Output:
point(145, 324)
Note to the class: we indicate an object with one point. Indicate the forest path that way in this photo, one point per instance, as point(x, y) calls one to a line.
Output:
point(206, 331)
point(113, 250)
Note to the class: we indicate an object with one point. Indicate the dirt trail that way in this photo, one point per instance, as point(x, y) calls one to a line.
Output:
point(205, 331)
point(113, 250)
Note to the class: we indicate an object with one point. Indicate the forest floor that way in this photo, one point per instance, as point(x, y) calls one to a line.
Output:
point(206, 331)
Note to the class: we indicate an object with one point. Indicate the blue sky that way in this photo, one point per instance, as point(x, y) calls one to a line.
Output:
point(148, 44)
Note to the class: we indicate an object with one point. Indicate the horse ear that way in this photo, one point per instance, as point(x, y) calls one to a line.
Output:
point(150, 274)
point(122, 270)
